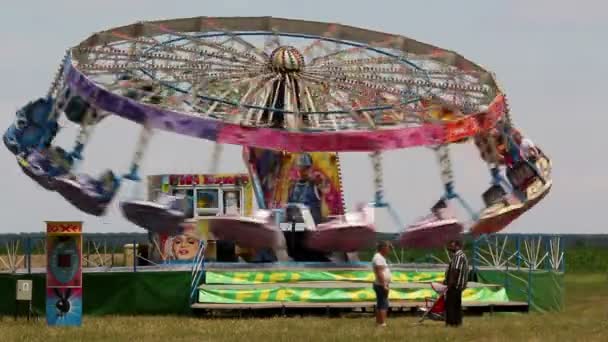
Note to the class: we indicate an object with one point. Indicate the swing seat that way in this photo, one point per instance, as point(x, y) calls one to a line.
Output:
point(88, 194)
point(537, 190)
point(76, 109)
point(499, 215)
point(431, 231)
point(254, 232)
point(345, 233)
point(31, 127)
point(164, 216)
point(495, 194)
point(44, 166)
point(521, 175)
point(501, 209)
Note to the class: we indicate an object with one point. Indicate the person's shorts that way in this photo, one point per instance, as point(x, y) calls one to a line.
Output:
point(381, 297)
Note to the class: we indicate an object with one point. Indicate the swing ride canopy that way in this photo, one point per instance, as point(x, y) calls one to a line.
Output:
point(284, 84)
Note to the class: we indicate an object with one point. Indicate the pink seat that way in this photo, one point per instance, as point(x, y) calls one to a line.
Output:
point(432, 231)
point(155, 217)
point(248, 232)
point(347, 233)
point(497, 217)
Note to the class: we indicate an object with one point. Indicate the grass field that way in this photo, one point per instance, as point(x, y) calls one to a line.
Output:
point(585, 319)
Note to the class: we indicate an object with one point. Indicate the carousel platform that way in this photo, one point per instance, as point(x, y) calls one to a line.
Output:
point(334, 287)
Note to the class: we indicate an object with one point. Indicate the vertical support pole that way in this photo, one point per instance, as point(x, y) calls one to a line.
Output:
point(28, 254)
point(112, 250)
point(134, 257)
point(475, 256)
point(530, 292)
point(506, 281)
point(292, 241)
point(548, 250)
point(518, 251)
point(562, 253)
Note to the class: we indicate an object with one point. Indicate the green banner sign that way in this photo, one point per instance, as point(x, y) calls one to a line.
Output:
point(324, 295)
point(275, 276)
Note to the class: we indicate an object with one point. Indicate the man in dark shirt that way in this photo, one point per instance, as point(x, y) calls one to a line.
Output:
point(456, 280)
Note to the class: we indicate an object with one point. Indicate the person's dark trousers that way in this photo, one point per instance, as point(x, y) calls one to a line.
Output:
point(453, 307)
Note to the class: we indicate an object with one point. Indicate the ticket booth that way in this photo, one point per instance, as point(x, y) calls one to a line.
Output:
point(209, 195)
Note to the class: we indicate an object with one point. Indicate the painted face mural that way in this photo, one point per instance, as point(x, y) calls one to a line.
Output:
point(184, 246)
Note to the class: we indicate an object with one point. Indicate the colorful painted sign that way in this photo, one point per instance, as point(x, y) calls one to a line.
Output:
point(311, 178)
point(273, 276)
point(364, 293)
point(219, 192)
point(184, 180)
point(64, 273)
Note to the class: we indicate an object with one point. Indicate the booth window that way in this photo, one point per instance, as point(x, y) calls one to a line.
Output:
point(232, 201)
point(207, 199)
point(189, 194)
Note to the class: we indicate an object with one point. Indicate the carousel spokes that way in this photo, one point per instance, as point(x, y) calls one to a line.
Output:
point(281, 79)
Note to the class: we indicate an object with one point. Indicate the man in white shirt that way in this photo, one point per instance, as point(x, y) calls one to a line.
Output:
point(381, 283)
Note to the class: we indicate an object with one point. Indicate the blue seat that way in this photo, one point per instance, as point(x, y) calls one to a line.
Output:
point(32, 127)
point(88, 194)
point(43, 166)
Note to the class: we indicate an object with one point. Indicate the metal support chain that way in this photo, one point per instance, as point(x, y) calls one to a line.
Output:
point(58, 75)
point(85, 132)
point(493, 164)
point(508, 118)
point(58, 106)
point(339, 167)
point(445, 168)
point(376, 158)
point(142, 144)
point(447, 177)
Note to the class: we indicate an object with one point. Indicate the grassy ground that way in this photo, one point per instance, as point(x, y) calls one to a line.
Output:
point(585, 319)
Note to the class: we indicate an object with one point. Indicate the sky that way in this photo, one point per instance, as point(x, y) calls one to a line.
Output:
point(549, 56)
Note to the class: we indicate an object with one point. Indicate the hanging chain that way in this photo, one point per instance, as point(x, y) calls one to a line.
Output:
point(492, 148)
point(445, 164)
point(508, 119)
point(85, 131)
point(58, 75)
point(376, 158)
point(339, 168)
point(142, 144)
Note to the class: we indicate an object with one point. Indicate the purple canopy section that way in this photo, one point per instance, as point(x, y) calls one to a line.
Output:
point(227, 133)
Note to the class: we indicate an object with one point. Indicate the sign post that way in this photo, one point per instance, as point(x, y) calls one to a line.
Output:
point(64, 273)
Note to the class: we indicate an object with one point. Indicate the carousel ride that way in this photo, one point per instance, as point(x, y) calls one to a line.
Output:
point(287, 88)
